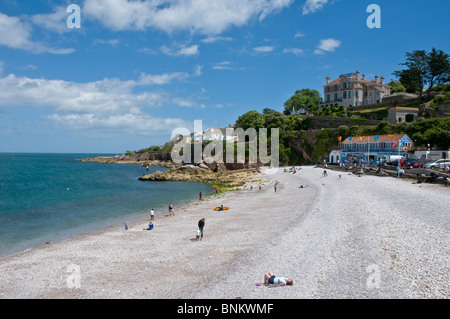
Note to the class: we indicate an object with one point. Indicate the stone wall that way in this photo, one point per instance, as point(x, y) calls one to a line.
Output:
point(319, 122)
point(392, 100)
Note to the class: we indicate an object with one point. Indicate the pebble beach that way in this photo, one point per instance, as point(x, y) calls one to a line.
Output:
point(340, 236)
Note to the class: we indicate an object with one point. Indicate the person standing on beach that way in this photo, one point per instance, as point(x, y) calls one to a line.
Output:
point(200, 196)
point(171, 211)
point(275, 187)
point(201, 224)
point(152, 214)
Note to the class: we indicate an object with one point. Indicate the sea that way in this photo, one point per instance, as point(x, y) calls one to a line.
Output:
point(46, 198)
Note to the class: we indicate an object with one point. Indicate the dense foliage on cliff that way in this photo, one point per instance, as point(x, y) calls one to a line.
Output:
point(299, 144)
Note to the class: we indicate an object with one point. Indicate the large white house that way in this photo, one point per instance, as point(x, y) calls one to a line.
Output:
point(354, 90)
point(215, 134)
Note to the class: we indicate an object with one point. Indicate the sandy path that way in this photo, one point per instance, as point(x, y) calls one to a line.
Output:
point(353, 237)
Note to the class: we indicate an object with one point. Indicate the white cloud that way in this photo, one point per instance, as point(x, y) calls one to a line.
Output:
point(186, 102)
point(295, 51)
point(214, 39)
point(210, 17)
point(148, 51)
point(327, 45)
point(181, 50)
point(225, 65)
point(111, 42)
point(2, 64)
point(16, 34)
point(129, 123)
point(299, 35)
point(55, 22)
point(312, 6)
point(30, 67)
point(198, 70)
point(106, 105)
point(161, 79)
point(264, 49)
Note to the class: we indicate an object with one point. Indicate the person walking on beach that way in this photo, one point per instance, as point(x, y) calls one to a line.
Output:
point(201, 224)
point(274, 281)
point(152, 214)
point(171, 211)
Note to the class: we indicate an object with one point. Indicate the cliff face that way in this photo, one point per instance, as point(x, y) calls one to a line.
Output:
point(314, 146)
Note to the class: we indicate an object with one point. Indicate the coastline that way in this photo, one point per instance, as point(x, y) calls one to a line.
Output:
point(324, 236)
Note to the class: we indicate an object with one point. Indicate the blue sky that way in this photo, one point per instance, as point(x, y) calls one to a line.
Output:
point(136, 70)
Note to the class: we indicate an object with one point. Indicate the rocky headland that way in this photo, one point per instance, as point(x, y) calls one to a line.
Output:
point(221, 175)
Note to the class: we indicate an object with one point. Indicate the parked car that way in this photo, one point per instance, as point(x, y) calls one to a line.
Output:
point(441, 163)
point(396, 162)
point(418, 164)
point(409, 163)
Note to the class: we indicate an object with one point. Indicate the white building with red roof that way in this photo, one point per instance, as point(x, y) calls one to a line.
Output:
point(354, 90)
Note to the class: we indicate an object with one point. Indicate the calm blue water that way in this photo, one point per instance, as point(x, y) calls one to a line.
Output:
point(51, 197)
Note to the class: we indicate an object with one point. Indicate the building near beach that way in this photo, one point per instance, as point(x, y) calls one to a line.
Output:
point(373, 148)
point(354, 90)
point(402, 114)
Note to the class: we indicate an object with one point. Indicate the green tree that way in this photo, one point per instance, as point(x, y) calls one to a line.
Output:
point(438, 72)
point(396, 86)
point(274, 119)
point(422, 68)
point(415, 73)
point(408, 80)
point(305, 98)
point(250, 119)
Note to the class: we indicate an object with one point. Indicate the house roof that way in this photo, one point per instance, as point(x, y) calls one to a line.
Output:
point(381, 138)
point(402, 108)
point(353, 77)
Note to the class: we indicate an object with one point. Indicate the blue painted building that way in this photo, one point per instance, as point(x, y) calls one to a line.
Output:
point(372, 149)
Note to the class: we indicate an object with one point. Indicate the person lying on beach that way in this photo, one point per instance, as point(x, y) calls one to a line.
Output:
point(273, 281)
point(301, 186)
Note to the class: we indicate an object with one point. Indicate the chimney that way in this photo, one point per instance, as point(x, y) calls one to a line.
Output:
point(357, 75)
point(382, 80)
point(364, 77)
point(376, 78)
point(328, 79)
